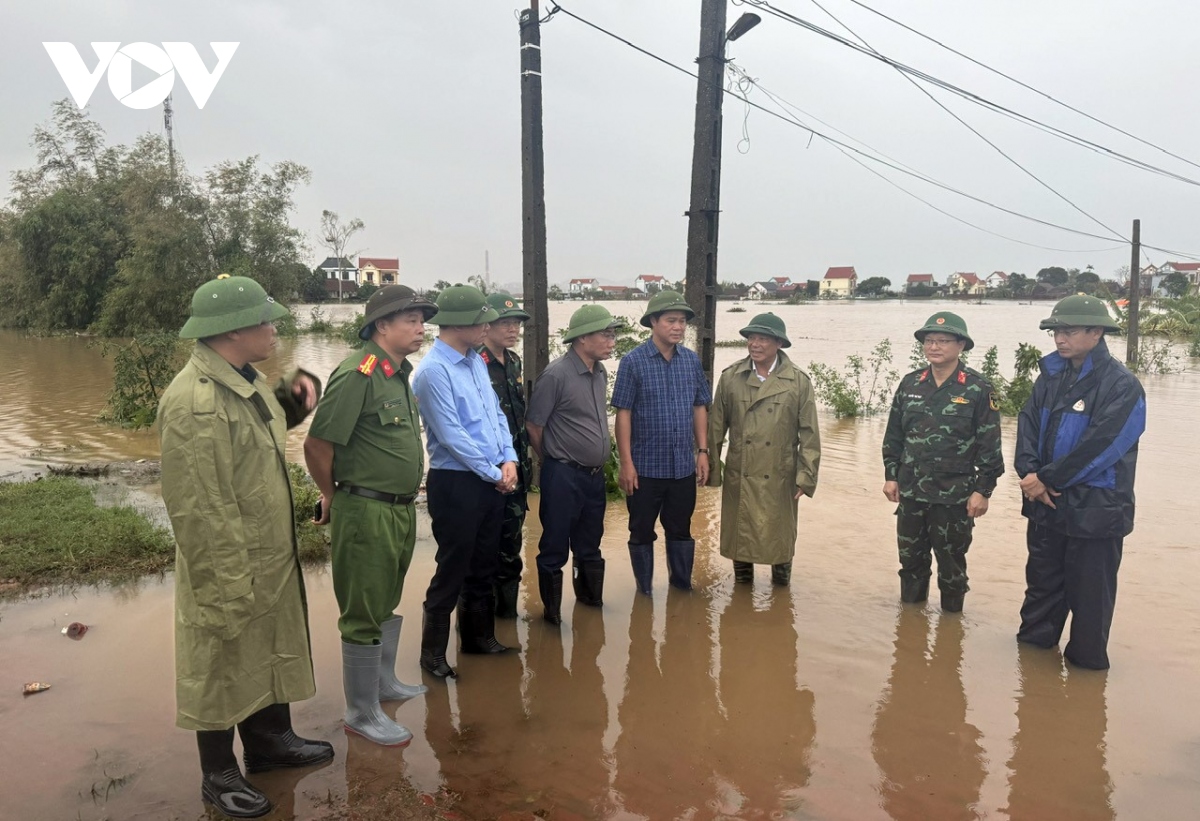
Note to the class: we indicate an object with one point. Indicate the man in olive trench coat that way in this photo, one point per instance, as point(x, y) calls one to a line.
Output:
point(241, 626)
point(765, 405)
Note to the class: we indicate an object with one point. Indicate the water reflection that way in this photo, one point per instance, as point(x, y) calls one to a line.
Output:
point(1058, 767)
point(669, 711)
point(929, 755)
point(763, 748)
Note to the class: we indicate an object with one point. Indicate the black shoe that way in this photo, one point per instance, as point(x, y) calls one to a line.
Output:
point(269, 743)
point(506, 598)
point(781, 574)
point(913, 591)
point(743, 572)
point(952, 602)
point(435, 636)
point(550, 588)
point(588, 579)
point(477, 627)
point(223, 784)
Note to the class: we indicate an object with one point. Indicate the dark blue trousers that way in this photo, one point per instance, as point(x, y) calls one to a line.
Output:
point(572, 514)
point(1076, 576)
point(467, 514)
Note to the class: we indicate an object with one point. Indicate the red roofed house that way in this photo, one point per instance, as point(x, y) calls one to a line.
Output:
point(781, 282)
point(650, 283)
point(965, 283)
point(919, 279)
point(996, 279)
point(583, 285)
point(379, 271)
point(839, 282)
point(620, 292)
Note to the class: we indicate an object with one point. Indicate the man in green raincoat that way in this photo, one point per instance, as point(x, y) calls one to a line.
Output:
point(765, 405)
point(242, 651)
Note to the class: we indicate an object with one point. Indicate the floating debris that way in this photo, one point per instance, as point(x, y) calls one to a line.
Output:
point(35, 687)
point(75, 630)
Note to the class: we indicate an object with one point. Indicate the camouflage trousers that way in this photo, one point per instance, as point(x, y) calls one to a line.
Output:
point(944, 531)
point(512, 538)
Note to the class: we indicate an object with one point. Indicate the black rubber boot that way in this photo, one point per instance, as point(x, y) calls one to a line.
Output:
point(435, 636)
point(269, 743)
point(952, 602)
point(506, 598)
point(477, 627)
point(743, 572)
point(913, 591)
point(588, 578)
point(680, 557)
point(550, 587)
point(641, 557)
point(223, 785)
point(781, 574)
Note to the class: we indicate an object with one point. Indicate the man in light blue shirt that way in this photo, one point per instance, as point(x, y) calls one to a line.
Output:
point(472, 467)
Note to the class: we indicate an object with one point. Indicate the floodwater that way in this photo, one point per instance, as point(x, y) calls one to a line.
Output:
point(825, 700)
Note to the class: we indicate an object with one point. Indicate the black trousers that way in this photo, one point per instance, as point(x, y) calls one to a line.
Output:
point(1069, 575)
point(467, 514)
point(671, 500)
point(572, 514)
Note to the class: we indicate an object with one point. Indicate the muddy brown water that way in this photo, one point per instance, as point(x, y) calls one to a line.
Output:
point(826, 700)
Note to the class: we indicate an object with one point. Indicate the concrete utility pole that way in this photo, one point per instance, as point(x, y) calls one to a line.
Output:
point(533, 199)
point(1135, 295)
point(704, 209)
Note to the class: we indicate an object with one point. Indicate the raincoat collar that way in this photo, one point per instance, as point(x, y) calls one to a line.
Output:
point(211, 364)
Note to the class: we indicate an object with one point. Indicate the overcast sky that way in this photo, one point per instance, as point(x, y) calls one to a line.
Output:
point(408, 115)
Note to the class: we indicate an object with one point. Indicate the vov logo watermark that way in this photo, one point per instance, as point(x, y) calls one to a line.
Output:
point(118, 60)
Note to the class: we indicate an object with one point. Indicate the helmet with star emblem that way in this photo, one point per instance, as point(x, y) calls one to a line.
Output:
point(507, 307)
point(946, 323)
point(229, 304)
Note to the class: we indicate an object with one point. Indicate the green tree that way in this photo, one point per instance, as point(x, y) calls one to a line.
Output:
point(1053, 276)
point(1176, 284)
point(1020, 284)
point(1087, 281)
point(873, 286)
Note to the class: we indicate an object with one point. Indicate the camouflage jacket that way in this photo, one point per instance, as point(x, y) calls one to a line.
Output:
point(510, 389)
point(943, 443)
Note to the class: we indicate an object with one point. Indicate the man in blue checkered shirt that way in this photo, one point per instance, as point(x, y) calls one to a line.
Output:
point(662, 398)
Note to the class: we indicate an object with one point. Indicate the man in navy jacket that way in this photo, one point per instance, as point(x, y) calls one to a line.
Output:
point(1077, 441)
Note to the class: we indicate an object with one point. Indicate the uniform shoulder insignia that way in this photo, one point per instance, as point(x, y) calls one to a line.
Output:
point(992, 403)
point(962, 377)
point(485, 356)
point(960, 400)
point(367, 366)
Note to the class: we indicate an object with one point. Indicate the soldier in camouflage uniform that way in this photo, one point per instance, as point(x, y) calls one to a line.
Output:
point(504, 369)
point(941, 459)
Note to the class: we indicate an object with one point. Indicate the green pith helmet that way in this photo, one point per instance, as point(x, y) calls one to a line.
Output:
point(946, 323)
point(588, 320)
point(228, 304)
point(391, 299)
point(507, 307)
point(769, 325)
point(665, 301)
point(1080, 311)
point(463, 305)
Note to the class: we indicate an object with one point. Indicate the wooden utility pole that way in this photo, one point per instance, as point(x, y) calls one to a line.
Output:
point(704, 209)
point(533, 199)
point(1135, 296)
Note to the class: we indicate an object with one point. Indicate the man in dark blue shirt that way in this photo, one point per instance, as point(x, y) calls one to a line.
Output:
point(662, 398)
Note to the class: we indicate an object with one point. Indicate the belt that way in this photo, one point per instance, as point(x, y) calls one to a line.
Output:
point(379, 496)
point(591, 471)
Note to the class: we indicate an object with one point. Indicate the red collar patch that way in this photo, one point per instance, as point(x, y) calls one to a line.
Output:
point(924, 375)
point(962, 377)
point(487, 359)
point(388, 370)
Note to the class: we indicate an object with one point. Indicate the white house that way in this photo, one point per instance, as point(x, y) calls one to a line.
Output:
point(583, 285)
point(650, 283)
point(763, 290)
point(962, 282)
point(996, 279)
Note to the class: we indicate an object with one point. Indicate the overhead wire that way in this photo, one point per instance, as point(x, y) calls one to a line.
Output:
point(833, 141)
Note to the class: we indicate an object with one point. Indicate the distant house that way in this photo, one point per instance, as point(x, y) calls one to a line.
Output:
point(919, 279)
point(781, 282)
point(1191, 270)
point(583, 285)
point(789, 290)
point(965, 282)
point(341, 278)
point(378, 271)
point(763, 290)
point(839, 281)
point(621, 292)
point(650, 283)
point(996, 279)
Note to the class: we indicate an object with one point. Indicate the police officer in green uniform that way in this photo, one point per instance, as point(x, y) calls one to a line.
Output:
point(941, 459)
point(364, 452)
point(504, 369)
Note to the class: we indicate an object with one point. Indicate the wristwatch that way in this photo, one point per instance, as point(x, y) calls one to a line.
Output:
point(702, 450)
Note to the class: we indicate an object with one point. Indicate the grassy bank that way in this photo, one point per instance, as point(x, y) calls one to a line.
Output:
point(53, 532)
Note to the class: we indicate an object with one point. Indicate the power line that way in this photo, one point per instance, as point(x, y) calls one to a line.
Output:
point(918, 175)
point(976, 132)
point(974, 98)
point(1025, 85)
